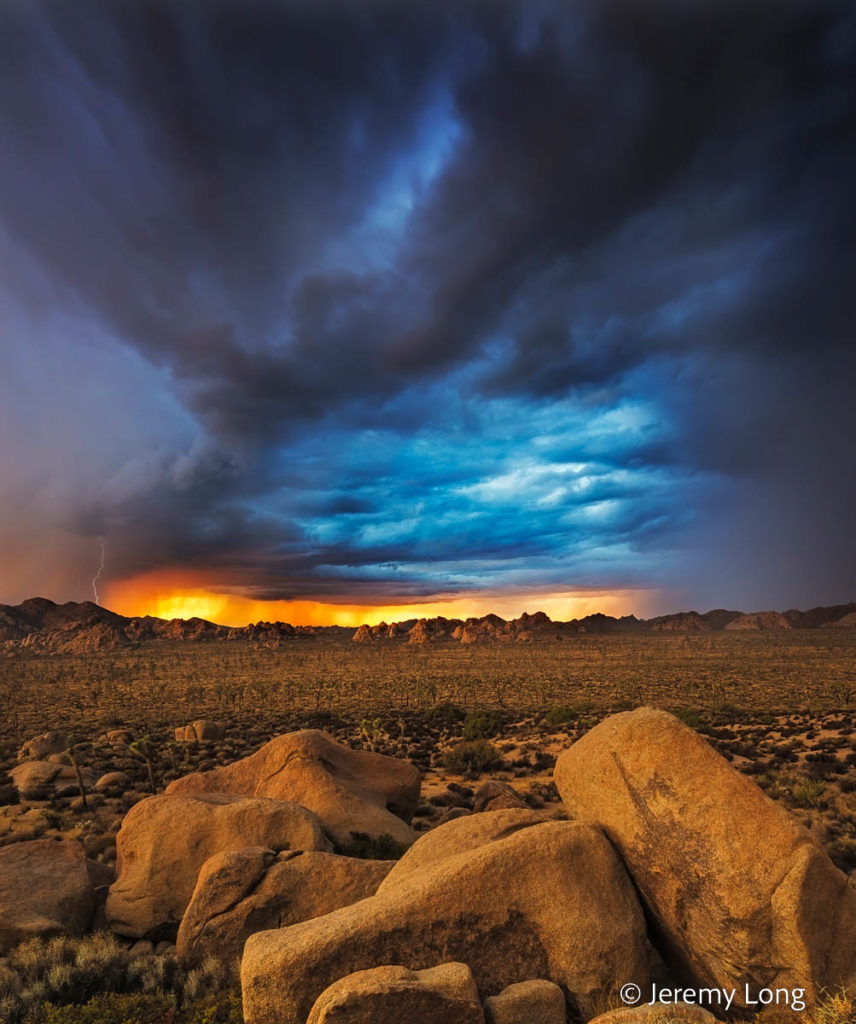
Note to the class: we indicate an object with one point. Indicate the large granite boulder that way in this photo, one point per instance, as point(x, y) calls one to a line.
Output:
point(45, 889)
point(738, 892)
point(164, 841)
point(352, 791)
point(552, 900)
point(244, 891)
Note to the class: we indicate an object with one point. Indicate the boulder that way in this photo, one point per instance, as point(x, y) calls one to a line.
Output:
point(528, 1002)
point(458, 836)
point(164, 841)
point(39, 780)
point(44, 890)
point(552, 900)
point(495, 795)
point(202, 729)
point(40, 747)
point(117, 737)
point(657, 1013)
point(113, 781)
point(737, 890)
point(352, 791)
point(245, 891)
point(445, 994)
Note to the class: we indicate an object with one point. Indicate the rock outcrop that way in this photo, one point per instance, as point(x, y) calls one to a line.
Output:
point(445, 994)
point(737, 890)
point(39, 748)
point(202, 729)
point(496, 795)
point(351, 791)
point(164, 841)
point(45, 890)
point(759, 620)
point(551, 900)
point(245, 891)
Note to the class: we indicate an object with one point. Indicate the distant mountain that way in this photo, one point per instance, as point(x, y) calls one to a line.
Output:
point(40, 625)
point(82, 627)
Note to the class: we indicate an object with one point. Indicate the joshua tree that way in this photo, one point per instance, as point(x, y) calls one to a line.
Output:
point(75, 747)
point(144, 748)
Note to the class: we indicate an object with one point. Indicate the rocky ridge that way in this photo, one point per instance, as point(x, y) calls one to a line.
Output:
point(41, 626)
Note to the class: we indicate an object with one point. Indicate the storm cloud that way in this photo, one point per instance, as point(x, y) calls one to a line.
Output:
point(361, 301)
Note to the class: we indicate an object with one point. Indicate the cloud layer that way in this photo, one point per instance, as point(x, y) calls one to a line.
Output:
point(360, 302)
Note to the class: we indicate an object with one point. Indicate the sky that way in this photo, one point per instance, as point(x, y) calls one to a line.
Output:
point(341, 311)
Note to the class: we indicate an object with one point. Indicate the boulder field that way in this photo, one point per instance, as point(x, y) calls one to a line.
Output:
point(669, 864)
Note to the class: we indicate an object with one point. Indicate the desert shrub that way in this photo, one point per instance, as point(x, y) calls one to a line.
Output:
point(137, 1008)
point(472, 757)
point(72, 972)
point(445, 713)
point(808, 792)
point(481, 725)
point(834, 1008)
point(560, 715)
point(689, 717)
point(382, 847)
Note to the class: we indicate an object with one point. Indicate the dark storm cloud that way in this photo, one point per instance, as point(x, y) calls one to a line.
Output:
point(417, 271)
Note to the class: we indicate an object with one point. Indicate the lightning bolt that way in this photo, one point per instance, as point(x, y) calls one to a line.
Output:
point(97, 575)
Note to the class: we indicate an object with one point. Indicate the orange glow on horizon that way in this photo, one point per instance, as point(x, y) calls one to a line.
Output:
point(167, 597)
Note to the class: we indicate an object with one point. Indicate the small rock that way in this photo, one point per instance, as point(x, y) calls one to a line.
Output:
point(142, 947)
point(92, 800)
point(528, 1002)
point(39, 780)
point(116, 781)
point(452, 814)
point(657, 1013)
point(496, 795)
point(445, 994)
point(117, 737)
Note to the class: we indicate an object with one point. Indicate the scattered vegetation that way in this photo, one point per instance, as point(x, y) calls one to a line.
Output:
point(481, 725)
point(71, 981)
point(471, 757)
point(382, 847)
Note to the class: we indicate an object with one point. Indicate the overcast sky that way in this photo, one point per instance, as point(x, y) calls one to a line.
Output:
point(369, 303)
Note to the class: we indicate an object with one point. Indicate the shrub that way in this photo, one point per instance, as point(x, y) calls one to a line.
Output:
point(808, 792)
point(481, 725)
point(60, 972)
point(367, 847)
point(137, 1008)
point(445, 713)
point(472, 757)
point(689, 717)
point(560, 715)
